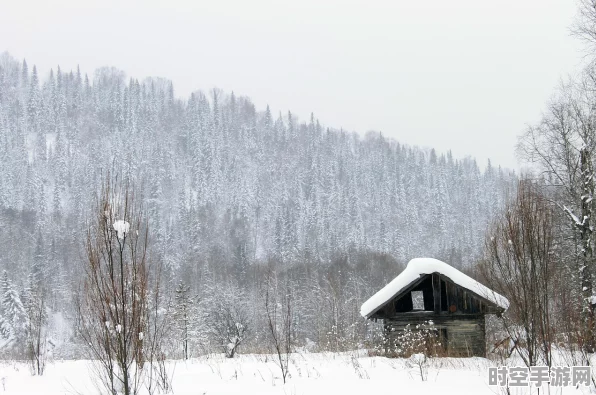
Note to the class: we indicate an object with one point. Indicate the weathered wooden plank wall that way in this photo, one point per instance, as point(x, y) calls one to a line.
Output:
point(465, 334)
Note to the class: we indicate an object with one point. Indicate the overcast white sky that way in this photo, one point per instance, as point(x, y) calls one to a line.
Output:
point(466, 75)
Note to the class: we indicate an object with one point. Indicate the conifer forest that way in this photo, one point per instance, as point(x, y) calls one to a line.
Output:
point(233, 195)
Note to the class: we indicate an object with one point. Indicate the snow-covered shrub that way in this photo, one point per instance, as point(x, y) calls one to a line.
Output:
point(228, 320)
point(419, 339)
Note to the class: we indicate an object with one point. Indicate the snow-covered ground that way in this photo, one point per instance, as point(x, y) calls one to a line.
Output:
point(321, 373)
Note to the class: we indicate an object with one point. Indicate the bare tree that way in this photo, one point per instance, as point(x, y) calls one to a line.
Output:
point(279, 320)
point(36, 328)
point(114, 305)
point(158, 328)
point(562, 145)
point(585, 24)
point(520, 264)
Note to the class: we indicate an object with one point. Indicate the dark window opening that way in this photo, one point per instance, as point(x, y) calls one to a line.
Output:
point(403, 304)
point(427, 290)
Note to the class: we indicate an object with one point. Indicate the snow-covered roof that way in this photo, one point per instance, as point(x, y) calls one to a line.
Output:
point(420, 266)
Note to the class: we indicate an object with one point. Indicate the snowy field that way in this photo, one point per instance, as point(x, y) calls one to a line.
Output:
point(321, 373)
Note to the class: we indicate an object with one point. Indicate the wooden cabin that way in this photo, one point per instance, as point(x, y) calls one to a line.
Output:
point(429, 289)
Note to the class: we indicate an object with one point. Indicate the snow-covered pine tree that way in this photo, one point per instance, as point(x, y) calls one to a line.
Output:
point(13, 311)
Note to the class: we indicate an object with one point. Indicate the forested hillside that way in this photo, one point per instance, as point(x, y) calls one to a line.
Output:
point(229, 189)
